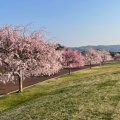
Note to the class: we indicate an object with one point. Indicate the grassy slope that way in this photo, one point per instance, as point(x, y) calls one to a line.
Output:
point(91, 94)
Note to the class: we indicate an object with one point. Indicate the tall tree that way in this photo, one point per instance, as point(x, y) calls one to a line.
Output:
point(23, 54)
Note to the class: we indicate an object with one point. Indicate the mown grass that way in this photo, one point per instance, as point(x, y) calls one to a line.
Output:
point(90, 94)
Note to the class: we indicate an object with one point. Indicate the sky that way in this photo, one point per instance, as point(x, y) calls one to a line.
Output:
point(72, 23)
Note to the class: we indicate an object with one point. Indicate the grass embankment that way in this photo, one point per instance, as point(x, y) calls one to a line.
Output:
point(90, 94)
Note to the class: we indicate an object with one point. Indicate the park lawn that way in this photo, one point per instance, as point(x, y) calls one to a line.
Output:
point(89, 94)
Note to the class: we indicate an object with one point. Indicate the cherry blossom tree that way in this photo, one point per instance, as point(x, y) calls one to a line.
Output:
point(22, 55)
point(91, 56)
point(104, 56)
point(72, 59)
point(117, 56)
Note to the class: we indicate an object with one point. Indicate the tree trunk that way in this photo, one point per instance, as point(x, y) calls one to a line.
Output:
point(103, 63)
point(20, 84)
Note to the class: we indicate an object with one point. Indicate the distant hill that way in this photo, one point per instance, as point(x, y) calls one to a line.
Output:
point(111, 48)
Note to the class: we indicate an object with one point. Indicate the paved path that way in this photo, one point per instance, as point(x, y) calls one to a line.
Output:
point(9, 87)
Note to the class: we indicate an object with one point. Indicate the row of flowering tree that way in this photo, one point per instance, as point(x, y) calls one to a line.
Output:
point(24, 54)
point(74, 58)
point(93, 56)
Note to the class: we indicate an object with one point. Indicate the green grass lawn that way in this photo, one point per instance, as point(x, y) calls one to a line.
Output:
point(90, 94)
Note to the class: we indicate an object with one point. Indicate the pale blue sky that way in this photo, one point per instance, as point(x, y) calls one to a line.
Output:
point(70, 22)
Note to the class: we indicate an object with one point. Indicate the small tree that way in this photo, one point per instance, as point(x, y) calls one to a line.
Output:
point(72, 59)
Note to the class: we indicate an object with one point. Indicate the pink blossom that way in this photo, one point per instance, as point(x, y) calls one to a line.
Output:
point(117, 56)
point(72, 58)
